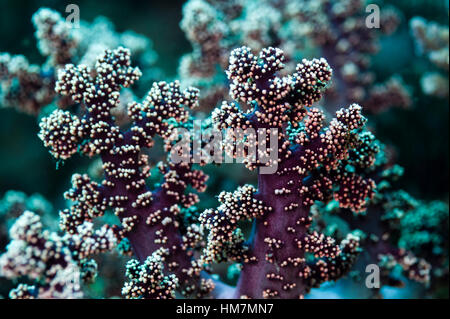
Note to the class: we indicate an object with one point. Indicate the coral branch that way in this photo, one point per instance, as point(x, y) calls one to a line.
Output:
point(313, 164)
point(152, 219)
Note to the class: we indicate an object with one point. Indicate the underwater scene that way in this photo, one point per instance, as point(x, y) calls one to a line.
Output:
point(224, 149)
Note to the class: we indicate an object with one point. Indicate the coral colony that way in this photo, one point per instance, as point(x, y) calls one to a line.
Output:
point(324, 205)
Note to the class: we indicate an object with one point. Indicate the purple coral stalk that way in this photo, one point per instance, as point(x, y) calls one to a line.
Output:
point(312, 166)
point(150, 218)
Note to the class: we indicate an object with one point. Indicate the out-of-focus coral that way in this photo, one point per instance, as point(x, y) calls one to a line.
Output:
point(404, 236)
point(432, 41)
point(14, 203)
point(435, 84)
point(424, 231)
point(334, 30)
point(24, 86)
point(29, 87)
point(41, 256)
point(340, 31)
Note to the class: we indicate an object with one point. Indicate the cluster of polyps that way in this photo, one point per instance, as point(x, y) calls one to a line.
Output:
point(313, 165)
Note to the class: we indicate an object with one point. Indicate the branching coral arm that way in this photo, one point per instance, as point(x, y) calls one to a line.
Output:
point(311, 167)
point(153, 217)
